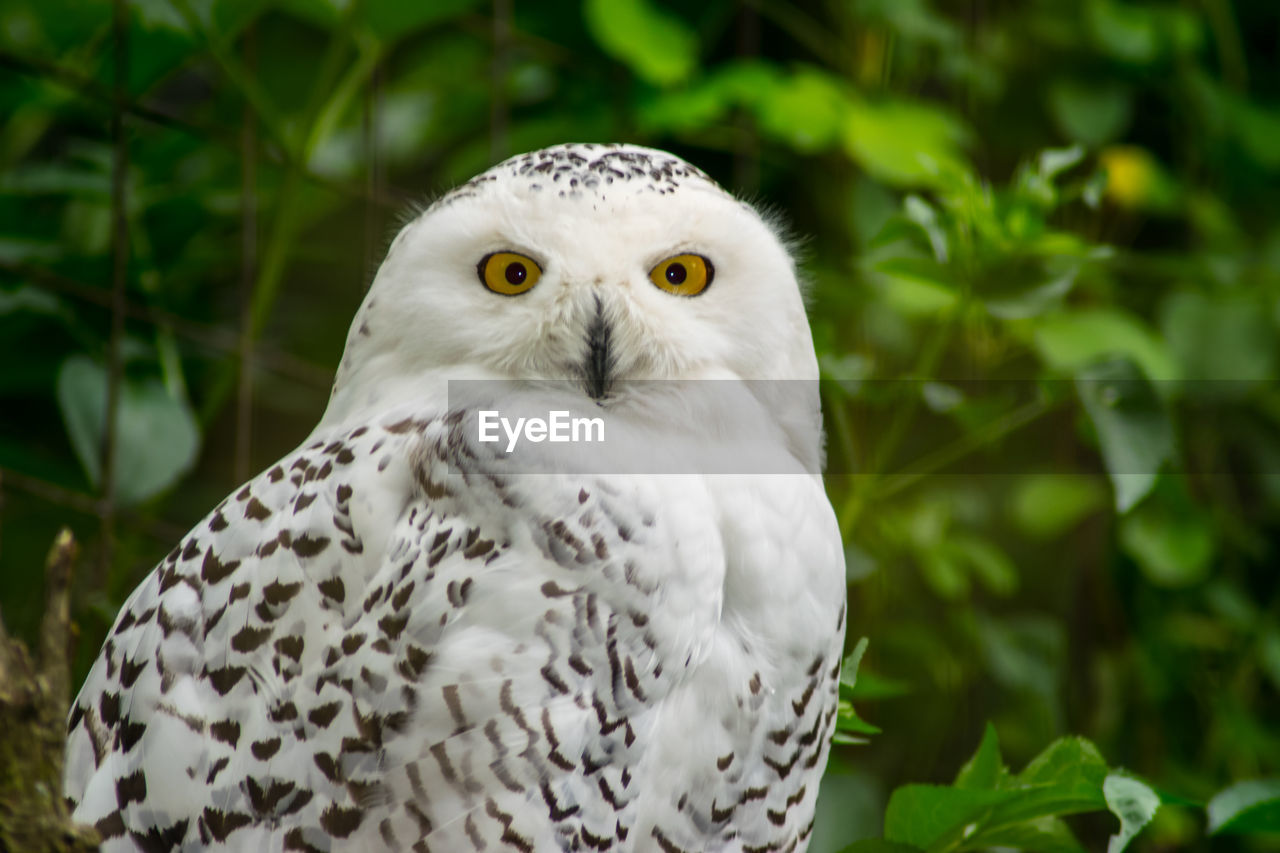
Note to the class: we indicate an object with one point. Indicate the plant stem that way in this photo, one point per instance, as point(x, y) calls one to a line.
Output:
point(926, 364)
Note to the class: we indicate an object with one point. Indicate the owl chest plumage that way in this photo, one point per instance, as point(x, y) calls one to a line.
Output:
point(384, 642)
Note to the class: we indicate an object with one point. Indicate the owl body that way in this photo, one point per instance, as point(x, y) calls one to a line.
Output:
point(396, 639)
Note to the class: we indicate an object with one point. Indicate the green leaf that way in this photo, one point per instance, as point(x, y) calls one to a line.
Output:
point(924, 814)
point(925, 270)
point(920, 212)
point(943, 571)
point(16, 250)
point(986, 768)
point(847, 719)
point(849, 669)
point(1046, 506)
point(987, 561)
point(1171, 540)
point(1133, 427)
point(1068, 760)
point(1251, 806)
point(1054, 161)
point(805, 110)
point(911, 295)
point(904, 143)
point(657, 45)
point(1092, 114)
point(394, 19)
point(323, 13)
point(1043, 835)
point(1034, 300)
point(1223, 342)
point(1127, 32)
point(156, 434)
point(1133, 802)
point(159, 14)
point(1071, 340)
point(26, 299)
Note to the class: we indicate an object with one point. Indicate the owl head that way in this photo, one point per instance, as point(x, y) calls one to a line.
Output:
point(581, 262)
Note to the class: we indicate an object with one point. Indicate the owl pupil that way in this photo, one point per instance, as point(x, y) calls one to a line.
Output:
point(516, 273)
point(676, 273)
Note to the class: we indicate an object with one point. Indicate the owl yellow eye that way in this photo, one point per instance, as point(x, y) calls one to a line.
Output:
point(683, 275)
point(508, 273)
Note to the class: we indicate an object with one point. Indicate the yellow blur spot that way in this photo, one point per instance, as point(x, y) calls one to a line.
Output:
point(1131, 174)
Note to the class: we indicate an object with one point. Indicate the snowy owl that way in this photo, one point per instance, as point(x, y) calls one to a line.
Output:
point(392, 640)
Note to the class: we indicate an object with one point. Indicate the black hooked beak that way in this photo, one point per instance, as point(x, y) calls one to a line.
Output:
point(599, 364)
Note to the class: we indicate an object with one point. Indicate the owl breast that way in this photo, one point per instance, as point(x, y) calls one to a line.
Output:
point(641, 663)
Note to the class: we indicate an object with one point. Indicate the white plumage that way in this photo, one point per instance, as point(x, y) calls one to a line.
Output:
point(396, 639)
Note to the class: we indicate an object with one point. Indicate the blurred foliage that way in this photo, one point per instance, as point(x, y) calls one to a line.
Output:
point(1044, 257)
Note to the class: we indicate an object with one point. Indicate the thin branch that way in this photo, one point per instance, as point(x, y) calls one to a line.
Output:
point(903, 417)
point(248, 271)
point(807, 32)
point(968, 444)
point(216, 338)
point(161, 531)
point(96, 93)
point(119, 280)
point(374, 176)
point(499, 142)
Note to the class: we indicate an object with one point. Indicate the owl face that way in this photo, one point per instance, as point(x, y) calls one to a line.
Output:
point(586, 263)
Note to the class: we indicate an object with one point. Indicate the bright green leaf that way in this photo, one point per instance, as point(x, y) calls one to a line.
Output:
point(804, 110)
point(924, 814)
point(904, 143)
point(986, 768)
point(1068, 760)
point(1048, 505)
point(1072, 340)
point(655, 44)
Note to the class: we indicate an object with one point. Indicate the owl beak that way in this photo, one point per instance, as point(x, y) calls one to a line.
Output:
point(598, 367)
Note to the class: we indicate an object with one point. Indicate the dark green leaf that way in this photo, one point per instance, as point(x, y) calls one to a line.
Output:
point(1245, 808)
point(156, 438)
point(1133, 427)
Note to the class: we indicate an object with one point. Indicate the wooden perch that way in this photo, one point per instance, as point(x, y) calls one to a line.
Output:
point(33, 724)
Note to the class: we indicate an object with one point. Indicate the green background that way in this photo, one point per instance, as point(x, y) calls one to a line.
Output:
point(1042, 242)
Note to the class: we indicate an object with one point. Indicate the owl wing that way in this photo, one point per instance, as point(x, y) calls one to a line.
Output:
point(378, 642)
